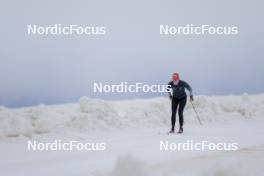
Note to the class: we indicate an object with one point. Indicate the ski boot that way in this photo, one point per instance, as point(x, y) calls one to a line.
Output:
point(171, 131)
point(180, 130)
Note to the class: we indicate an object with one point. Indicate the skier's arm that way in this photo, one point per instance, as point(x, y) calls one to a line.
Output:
point(189, 88)
point(169, 90)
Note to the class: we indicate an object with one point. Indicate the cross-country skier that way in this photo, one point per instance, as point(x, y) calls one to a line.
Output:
point(178, 98)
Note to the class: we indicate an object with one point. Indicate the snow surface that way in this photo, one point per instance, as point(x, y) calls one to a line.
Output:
point(132, 130)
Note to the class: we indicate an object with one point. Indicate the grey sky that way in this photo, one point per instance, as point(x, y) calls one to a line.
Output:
point(58, 69)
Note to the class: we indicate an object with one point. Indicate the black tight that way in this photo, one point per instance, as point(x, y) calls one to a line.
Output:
point(174, 105)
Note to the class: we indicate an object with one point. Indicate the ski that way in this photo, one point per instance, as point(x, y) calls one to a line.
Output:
point(168, 133)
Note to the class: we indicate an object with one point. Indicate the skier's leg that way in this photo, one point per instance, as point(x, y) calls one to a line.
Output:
point(182, 104)
point(174, 104)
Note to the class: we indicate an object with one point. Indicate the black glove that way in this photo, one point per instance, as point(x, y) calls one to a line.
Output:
point(191, 97)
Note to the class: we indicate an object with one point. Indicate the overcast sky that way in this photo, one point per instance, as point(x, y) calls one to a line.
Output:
point(60, 69)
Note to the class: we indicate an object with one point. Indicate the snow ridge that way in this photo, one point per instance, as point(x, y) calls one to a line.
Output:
point(92, 114)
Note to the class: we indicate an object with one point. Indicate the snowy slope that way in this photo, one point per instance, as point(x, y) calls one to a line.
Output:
point(131, 132)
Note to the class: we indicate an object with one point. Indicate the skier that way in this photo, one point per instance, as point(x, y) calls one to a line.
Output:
point(178, 97)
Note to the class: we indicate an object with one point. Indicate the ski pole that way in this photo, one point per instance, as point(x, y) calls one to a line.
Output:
point(196, 114)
